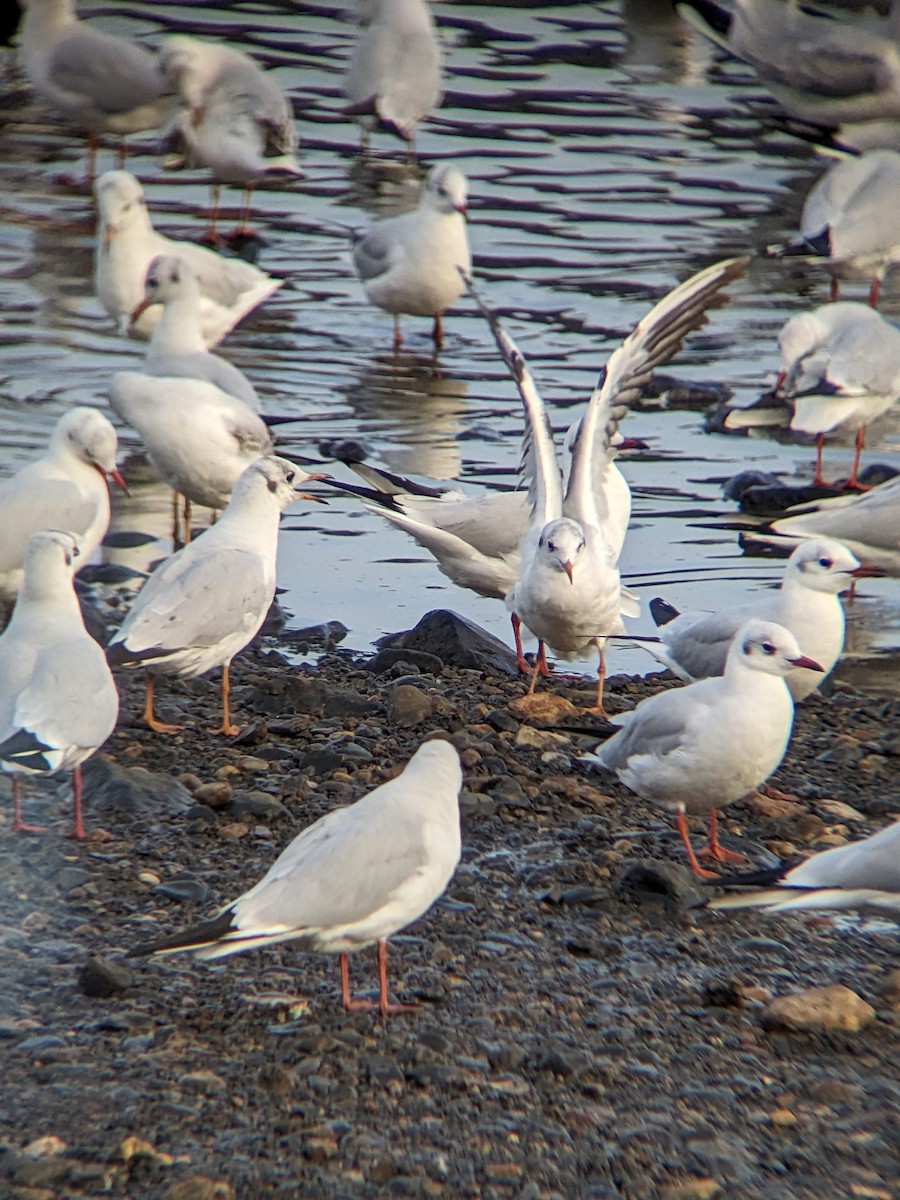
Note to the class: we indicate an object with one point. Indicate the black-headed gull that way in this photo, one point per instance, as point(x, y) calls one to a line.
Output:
point(864, 875)
point(177, 348)
point(696, 644)
point(98, 81)
point(869, 524)
point(234, 119)
point(850, 219)
point(126, 245)
point(58, 700)
point(64, 488)
point(415, 263)
point(827, 68)
point(840, 368)
point(697, 748)
point(208, 601)
point(568, 591)
point(353, 878)
point(394, 73)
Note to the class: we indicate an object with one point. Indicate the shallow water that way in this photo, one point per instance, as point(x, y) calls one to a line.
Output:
point(610, 154)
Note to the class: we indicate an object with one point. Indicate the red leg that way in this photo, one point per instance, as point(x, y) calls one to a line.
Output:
point(834, 291)
point(226, 727)
point(860, 444)
point(715, 850)
point(211, 238)
point(541, 658)
point(398, 337)
point(19, 825)
point(681, 824)
point(817, 478)
point(383, 1004)
point(78, 829)
point(243, 226)
point(520, 657)
point(437, 332)
point(873, 291)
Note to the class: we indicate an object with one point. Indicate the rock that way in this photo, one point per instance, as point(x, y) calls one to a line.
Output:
point(127, 792)
point(100, 977)
point(208, 1083)
point(258, 804)
point(889, 991)
point(500, 720)
point(691, 1189)
point(49, 1146)
point(70, 878)
point(540, 739)
point(457, 642)
point(326, 635)
point(320, 762)
point(217, 794)
point(199, 1187)
point(839, 810)
point(384, 660)
point(286, 693)
point(132, 1147)
point(349, 704)
point(818, 1009)
point(543, 706)
point(651, 882)
point(185, 886)
point(408, 705)
point(782, 1118)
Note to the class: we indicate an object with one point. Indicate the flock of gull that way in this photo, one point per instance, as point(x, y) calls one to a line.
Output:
point(550, 550)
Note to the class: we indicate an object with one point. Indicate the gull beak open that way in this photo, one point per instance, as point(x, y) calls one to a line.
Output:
point(809, 663)
point(567, 567)
point(867, 571)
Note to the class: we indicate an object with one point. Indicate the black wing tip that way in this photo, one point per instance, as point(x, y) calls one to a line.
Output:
point(206, 934)
point(662, 611)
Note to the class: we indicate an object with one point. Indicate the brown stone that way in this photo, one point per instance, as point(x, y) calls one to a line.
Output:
point(200, 1187)
point(691, 1189)
point(543, 706)
point(540, 739)
point(214, 795)
point(823, 1008)
point(408, 705)
point(889, 991)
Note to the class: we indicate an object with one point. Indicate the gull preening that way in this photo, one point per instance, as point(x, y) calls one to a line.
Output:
point(567, 590)
point(98, 81)
point(393, 77)
point(234, 119)
point(177, 348)
point(863, 875)
point(415, 263)
point(353, 878)
point(698, 748)
point(65, 488)
point(696, 644)
point(127, 243)
point(208, 601)
point(58, 700)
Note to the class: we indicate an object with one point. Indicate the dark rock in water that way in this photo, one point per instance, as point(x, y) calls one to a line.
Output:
point(381, 662)
point(100, 977)
point(666, 883)
point(326, 635)
point(409, 705)
point(457, 642)
point(734, 488)
point(876, 473)
point(767, 500)
point(117, 791)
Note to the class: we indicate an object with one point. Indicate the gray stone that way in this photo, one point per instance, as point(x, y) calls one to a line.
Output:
point(100, 977)
point(258, 804)
point(418, 660)
point(457, 642)
point(122, 792)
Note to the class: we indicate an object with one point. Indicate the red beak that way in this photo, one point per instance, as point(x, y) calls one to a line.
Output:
point(118, 480)
point(809, 663)
point(867, 571)
point(779, 381)
point(567, 567)
point(141, 308)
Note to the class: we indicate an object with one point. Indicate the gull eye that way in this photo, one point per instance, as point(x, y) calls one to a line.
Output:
point(290, 476)
point(768, 648)
point(826, 564)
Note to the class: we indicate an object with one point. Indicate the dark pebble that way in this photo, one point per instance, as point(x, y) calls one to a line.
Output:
point(100, 977)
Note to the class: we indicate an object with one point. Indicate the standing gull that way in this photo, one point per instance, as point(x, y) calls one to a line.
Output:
point(207, 602)
point(58, 701)
point(353, 878)
point(696, 644)
point(234, 118)
point(126, 245)
point(66, 488)
point(863, 875)
point(568, 591)
point(698, 748)
point(99, 82)
point(394, 74)
point(415, 263)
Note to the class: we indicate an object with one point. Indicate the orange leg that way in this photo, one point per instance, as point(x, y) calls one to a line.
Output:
point(817, 477)
point(860, 445)
point(78, 828)
point(149, 720)
point(834, 291)
point(715, 850)
point(383, 1005)
point(681, 825)
point(601, 679)
point(541, 658)
point(226, 727)
point(19, 825)
point(437, 332)
point(398, 337)
point(873, 291)
point(520, 657)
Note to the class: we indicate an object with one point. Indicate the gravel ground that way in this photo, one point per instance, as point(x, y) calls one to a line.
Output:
point(585, 1029)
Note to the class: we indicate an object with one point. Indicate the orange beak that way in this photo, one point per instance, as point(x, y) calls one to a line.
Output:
point(567, 567)
point(140, 309)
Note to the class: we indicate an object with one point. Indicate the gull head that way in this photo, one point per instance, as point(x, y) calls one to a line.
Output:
point(49, 557)
point(180, 58)
point(275, 477)
point(768, 647)
point(560, 545)
point(824, 565)
point(89, 436)
point(120, 200)
point(168, 277)
point(446, 189)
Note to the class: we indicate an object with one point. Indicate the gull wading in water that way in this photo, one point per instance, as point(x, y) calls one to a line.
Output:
point(394, 74)
point(234, 118)
point(416, 263)
point(98, 81)
point(696, 644)
point(66, 487)
point(356, 876)
point(567, 591)
point(58, 700)
point(209, 600)
point(697, 748)
point(127, 244)
point(864, 875)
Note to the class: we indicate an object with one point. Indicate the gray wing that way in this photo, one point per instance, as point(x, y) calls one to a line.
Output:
point(374, 254)
point(196, 602)
point(29, 503)
point(699, 642)
point(114, 74)
point(209, 368)
point(872, 519)
point(657, 727)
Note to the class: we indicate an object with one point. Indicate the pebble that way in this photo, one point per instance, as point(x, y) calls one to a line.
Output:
point(200, 1187)
point(259, 805)
point(99, 977)
point(251, 764)
point(540, 739)
point(208, 1083)
point(217, 794)
point(835, 1007)
point(691, 1189)
point(889, 991)
point(48, 1146)
point(408, 705)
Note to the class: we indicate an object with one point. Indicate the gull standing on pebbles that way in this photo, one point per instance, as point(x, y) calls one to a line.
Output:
point(127, 243)
point(568, 592)
point(209, 600)
point(177, 348)
point(863, 875)
point(65, 487)
point(416, 263)
point(234, 118)
point(351, 879)
point(698, 748)
point(394, 74)
point(58, 701)
point(840, 367)
point(696, 644)
point(99, 82)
